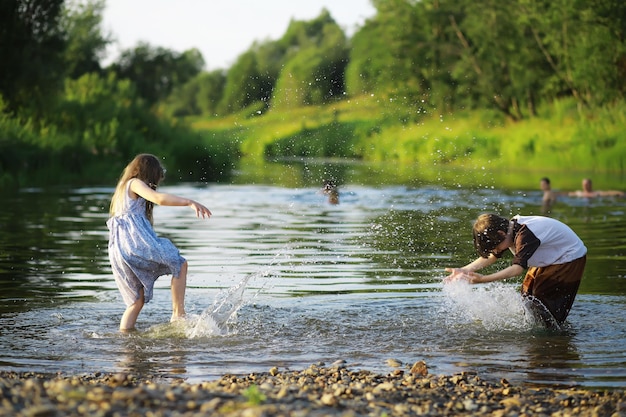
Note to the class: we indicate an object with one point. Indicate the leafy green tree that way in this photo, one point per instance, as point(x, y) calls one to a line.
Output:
point(367, 60)
point(209, 91)
point(270, 58)
point(385, 51)
point(244, 85)
point(253, 77)
point(157, 71)
point(437, 52)
point(102, 120)
point(316, 55)
point(95, 113)
point(86, 42)
point(610, 16)
point(200, 96)
point(250, 81)
point(583, 44)
point(495, 53)
point(31, 52)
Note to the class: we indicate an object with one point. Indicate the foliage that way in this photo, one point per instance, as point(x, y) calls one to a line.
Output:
point(447, 82)
point(333, 140)
point(306, 66)
point(201, 95)
point(244, 85)
point(460, 54)
point(157, 71)
point(315, 60)
point(100, 124)
point(31, 52)
point(93, 109)
point(250, 81)
point(384, 51)
point(254, 395)
point(563, 139)
point(85, 40)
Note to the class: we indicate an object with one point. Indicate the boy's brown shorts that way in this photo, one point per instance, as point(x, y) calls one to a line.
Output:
point(555, 286)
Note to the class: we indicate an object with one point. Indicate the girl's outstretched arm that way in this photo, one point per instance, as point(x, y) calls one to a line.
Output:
point(164, 199)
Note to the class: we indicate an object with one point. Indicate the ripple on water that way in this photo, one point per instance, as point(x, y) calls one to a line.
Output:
point(360, 281)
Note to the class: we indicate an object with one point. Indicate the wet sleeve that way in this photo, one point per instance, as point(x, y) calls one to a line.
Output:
point(526, 243)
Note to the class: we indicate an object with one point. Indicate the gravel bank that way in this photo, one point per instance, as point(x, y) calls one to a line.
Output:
point(314, 391)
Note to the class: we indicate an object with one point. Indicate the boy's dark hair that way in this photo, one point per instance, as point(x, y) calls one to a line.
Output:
point(486, 236)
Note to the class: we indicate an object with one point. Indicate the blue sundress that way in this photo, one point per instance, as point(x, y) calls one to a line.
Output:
point(138, 256)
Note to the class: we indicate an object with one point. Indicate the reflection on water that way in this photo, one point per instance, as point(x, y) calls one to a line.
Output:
point(280, 277)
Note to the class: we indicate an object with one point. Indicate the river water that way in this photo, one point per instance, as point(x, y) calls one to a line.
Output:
point(281, 277)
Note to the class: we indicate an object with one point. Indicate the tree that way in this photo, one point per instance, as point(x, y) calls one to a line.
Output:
point(200, 96)
point(209, 91)
point(243, 85)
point(31, 52)
point(157, 71)
point(583, 44)
point(270, 58)
point(385, 55)
point(495, 56)
point(86, 43)
point(316, 55)
point(95, 113)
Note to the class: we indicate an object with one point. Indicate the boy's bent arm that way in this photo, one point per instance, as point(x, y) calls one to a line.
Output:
point(468, 271)
point(509, 272)
point(480, 263)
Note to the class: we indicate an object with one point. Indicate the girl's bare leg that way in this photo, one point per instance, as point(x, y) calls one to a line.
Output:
point(179, 284)
point(129, 318)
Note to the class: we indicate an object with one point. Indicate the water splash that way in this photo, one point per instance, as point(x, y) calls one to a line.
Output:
point(539, 313)
point(495, 306)
point(214, 321)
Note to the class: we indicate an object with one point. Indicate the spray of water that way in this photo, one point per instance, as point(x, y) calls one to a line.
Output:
point(214, 321)
point(495, 306)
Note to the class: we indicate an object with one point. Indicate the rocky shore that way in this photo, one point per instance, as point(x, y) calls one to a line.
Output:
point(315, 391)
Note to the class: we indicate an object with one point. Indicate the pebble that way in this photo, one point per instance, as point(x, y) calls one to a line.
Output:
point(419, 368)
point(314, 391)
point(394, 363)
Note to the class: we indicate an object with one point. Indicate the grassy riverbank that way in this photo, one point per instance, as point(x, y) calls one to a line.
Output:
point(566, 141)
point(400, 143)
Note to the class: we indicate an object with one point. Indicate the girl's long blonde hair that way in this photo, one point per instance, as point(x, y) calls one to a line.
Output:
point(145, 167)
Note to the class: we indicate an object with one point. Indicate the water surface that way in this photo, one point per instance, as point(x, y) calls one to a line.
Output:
point(307, 282)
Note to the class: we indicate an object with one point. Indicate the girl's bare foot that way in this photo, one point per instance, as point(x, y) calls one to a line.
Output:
point(177, 318)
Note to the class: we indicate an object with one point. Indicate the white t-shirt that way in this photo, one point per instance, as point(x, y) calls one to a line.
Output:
point(542, 241)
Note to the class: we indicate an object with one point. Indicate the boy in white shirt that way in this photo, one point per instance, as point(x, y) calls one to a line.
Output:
point(552, 253)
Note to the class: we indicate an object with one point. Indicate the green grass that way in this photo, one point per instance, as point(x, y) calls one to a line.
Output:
point(562, 139)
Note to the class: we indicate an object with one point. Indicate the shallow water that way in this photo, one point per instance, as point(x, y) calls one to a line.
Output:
point(306, 282)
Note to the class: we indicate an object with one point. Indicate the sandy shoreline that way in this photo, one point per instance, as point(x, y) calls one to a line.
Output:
point(314, 391)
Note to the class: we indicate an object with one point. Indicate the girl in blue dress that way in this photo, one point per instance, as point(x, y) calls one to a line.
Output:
point(138, 256)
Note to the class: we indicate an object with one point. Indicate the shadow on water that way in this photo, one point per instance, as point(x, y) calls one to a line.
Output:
point(51, 246)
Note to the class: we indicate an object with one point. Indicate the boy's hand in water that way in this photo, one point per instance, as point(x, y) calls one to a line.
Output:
point(458, 274)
